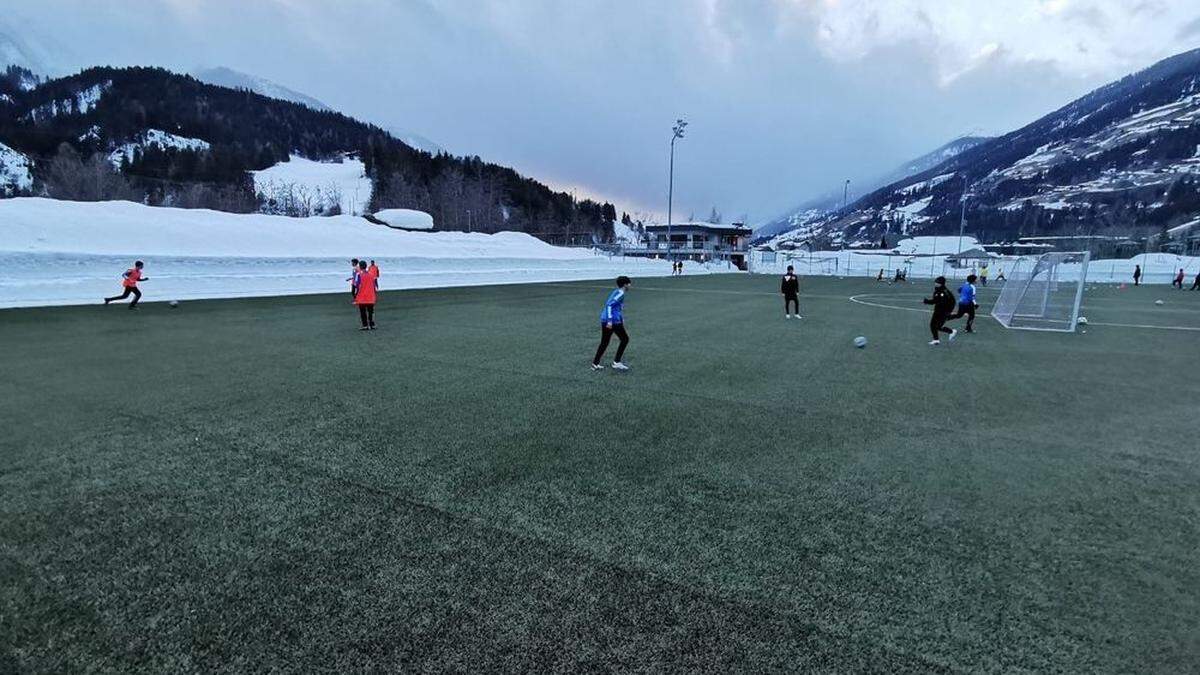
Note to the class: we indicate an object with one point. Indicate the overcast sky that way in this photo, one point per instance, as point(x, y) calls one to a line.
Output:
point(785, 98)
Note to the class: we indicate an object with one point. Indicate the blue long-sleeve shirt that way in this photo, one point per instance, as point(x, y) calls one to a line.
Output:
point(612, 307)
point(966, 294)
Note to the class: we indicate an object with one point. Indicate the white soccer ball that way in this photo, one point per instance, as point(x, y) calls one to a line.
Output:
point(174, 304)
point(1083, 320)
point(1158, 302)
point(860, 342)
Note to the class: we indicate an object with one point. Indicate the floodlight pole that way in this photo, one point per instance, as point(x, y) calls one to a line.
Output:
point(676, 134)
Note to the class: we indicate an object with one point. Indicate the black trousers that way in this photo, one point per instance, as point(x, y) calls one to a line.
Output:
point(606, 334)
point(367, 314)
point(1196, 284)
point(1178, 283)
point(788, 301)
point(129, 290)
point(937, 324)
point(1137, 281)
point(967, 311)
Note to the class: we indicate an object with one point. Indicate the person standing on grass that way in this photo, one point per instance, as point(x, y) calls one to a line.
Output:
point(1178, 282)
point(1196, 283)
point(129, 280)
point(790, 288)
point(1137, 275)
point(966, 304)
point(983, 272)
point(612, 322)
point(353, 277)
point(364, 296)
point(373, 270)
point(943, 305)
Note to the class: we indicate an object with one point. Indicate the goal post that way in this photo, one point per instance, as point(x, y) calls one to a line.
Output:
point(1043, 292)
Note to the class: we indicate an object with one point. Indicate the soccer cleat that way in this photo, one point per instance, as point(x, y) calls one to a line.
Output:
point(799, 317)
point(787, 316)
point(934, 343)
point(106, 301)
point(953, 334)
point(617, 365)
point(365, 328)
point(597, 366)
point(372, 326)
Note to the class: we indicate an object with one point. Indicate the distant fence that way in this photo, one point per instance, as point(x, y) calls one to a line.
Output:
point(1157, 268)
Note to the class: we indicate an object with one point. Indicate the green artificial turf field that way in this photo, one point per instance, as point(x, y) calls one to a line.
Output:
point(254, 485)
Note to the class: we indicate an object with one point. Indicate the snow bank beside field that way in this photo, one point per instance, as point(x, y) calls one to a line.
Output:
point(126, 228)
point(64, 253)
point(935, 245)
point(406, 218)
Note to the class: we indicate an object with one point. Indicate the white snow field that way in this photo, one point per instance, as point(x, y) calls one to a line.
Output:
point(315, 180)
point(63, 253)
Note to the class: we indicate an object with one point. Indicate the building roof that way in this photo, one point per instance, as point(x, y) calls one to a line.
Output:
point(707, 227)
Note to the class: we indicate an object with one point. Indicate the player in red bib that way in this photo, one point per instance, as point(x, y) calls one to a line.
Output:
point(130, 280)
point(364, 296)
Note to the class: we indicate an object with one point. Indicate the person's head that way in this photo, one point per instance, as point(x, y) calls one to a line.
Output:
point(362, 264)
point(971, 278)
point(624, 282)
point(139, 264)
point(372, 262)
point(791, 269)
point(354, 262)
point(940, 281)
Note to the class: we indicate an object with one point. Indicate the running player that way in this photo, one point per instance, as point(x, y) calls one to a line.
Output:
point(130, 280)
point(790, 288)
point(943, 305)
point(612, 322)
point(966, 304)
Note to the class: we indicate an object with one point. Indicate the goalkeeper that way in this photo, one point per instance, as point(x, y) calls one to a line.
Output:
point(966, 304)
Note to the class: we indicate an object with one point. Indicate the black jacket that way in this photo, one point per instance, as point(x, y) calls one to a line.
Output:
point(943, 300)
point(790, 285)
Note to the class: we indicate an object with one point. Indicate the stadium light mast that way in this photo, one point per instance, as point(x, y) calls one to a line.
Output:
point(676, 134)
point(962, 218)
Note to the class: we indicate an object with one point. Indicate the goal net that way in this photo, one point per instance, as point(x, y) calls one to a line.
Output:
point(1043, 292)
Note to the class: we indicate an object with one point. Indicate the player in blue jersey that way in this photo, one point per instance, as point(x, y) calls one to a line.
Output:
point(966, 304)
point(612, 322)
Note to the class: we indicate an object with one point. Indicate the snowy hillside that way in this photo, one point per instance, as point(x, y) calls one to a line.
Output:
point(1124, 159)
point(405, 219)
point(227, 77)
point(14, 172)
point(192, 253)
point(151, 137)
point(303, 187)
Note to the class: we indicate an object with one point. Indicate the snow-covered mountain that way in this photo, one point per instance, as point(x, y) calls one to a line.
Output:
point(1124, 159)
point(415, 141)
point(820, 207)
point(15, 177)
point(235, 79)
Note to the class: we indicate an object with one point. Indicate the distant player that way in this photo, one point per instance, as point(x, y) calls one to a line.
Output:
point(364, 296)
point(353, 277)
point(983, 272)
point(612, 322)
point(1178, 282)
point(1137, 275)
point(373, 270)
point(943, 306)
point(129, 280)
point(790, 288)
point(966, 304)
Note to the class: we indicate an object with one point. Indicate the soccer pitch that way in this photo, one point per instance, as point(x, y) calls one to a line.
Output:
point(254, 485)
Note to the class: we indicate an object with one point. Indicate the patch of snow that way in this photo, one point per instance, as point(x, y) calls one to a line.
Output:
point(14, 171)
point(151, 137)
point(625, 235)
point(233, 79)
point(210, 254)
point(935, 245)
point(407, 219)
point(322, 183)
point(916, 207)
point(80, 103)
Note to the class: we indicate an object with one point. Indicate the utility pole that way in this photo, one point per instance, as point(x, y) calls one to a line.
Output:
point(962, 218)
point(845, 193)
point(676, 134)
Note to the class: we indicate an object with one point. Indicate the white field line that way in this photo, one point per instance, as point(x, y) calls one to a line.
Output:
point(858, 299)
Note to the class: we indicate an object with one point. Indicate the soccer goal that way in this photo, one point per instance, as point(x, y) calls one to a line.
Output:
point(1043, 292)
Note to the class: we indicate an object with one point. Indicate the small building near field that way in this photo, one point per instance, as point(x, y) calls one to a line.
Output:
point(969, 259)
point(701, 242)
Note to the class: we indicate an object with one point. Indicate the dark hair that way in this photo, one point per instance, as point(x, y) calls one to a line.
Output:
point(790, 268)
point(354, 261)
point(138, 263)
point(362, 264)
point(971, 278)
point(940, 281)
point(624, 280)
